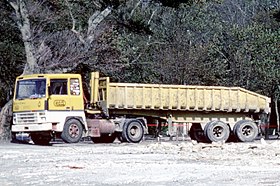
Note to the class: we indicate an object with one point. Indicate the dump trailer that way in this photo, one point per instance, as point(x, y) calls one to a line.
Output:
point(54, 105)
point(212, 113)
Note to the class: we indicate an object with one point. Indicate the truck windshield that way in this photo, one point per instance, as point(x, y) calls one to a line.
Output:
point(31, 88)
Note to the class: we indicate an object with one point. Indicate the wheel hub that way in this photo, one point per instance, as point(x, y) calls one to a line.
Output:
point(74, 130)
point(246, 131)
point(217, 131)
point(134, 131)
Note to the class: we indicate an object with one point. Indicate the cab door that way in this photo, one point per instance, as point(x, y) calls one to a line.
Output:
point(59, 98)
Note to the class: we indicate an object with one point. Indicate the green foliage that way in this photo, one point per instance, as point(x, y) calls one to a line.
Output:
point(177, 3)
point(11, 53)
point(248, 55)
point(215, 42)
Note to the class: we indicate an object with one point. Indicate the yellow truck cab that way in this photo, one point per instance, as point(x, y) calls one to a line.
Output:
point(46, 103)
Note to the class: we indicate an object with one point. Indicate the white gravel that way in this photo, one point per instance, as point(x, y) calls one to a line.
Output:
point(147, 163)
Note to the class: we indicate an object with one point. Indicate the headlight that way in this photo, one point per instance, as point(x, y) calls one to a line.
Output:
point(14, 118)
point(43, 118)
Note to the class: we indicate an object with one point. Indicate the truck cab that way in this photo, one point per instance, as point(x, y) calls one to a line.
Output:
point(44, 104)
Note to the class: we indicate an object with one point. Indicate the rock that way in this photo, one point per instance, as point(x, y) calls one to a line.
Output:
point(194, 142)
point(263, 142)
point(5, 122)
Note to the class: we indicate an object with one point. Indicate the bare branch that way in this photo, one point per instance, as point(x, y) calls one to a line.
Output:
point(97, 5)
point(136, 59)
point(95, 20)
point(133, 10)
point(91, 20)
point(79, 35)
point(240, 9)
point(14, 5)
point(16, 8)
point(152, 16)
point(72, 17)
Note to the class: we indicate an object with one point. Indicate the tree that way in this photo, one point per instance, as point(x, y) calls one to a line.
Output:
point(11, 53)
point(229, 43)
point(41, 45)
point(250, 50)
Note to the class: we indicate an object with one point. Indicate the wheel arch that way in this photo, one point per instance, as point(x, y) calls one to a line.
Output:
point(78, 118)
point(141, 120)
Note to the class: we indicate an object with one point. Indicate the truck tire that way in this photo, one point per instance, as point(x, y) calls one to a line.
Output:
point(104, 138)
point(133, 131)
point(196, 133)
point(216, 131)
point(245, 130)
point(72, 131)
point(120, 136)
point(14, 138)
point(41, 139)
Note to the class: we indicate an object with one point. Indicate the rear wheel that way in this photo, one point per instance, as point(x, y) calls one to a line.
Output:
point(120, 136)
point(133, 131)
point(216, 131)
point(196, 133)
point(104, 138)
point(72, 131)
point(245, 130)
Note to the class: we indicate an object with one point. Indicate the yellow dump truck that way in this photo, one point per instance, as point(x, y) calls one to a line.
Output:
point(54, 105)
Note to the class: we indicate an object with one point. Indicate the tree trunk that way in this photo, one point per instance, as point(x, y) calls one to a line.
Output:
point(31, 65)
point(24, 26)
point(6, 121)
point(277, 113)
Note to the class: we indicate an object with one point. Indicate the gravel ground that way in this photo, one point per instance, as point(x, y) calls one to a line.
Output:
point(147, 163)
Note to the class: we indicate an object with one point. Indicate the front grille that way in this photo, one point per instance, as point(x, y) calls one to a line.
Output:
point(30, 117)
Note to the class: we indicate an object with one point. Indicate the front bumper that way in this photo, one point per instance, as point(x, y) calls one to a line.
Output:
point(32, 127)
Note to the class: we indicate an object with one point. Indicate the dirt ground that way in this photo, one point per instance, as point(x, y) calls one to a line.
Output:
point(148, 163)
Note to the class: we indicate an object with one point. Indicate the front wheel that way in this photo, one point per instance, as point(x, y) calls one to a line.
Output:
point(133, 131)
point(72, 131)
point(41, 139)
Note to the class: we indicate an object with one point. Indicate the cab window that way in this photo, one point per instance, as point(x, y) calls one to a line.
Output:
point(58, 86)
point(31, 88)
point(75, 86)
